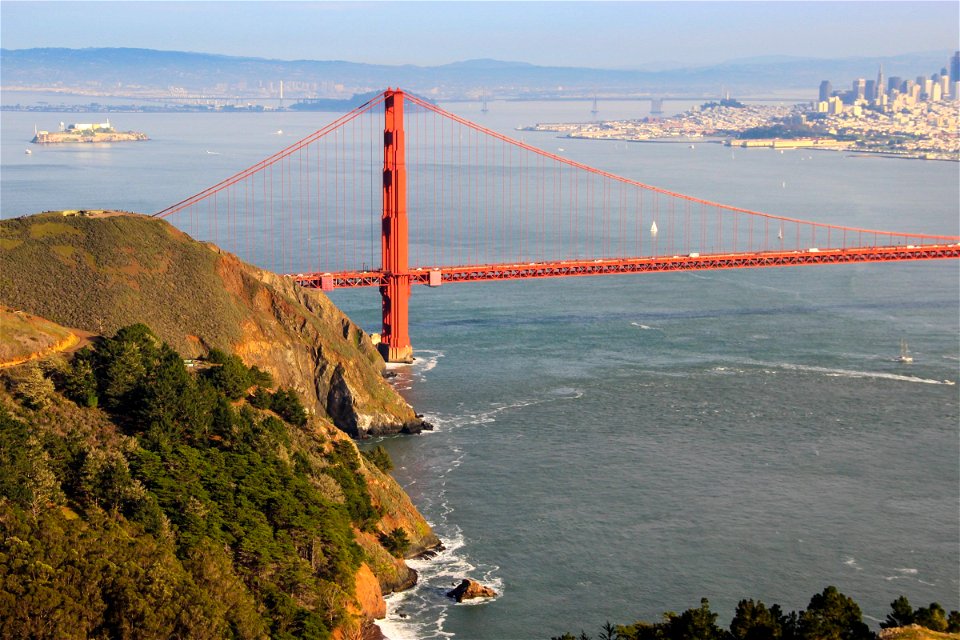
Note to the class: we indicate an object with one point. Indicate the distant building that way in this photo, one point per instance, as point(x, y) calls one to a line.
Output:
point(826, 90)
point(86, 126)
point(859, 89)
point(870, 91)
point(895, 83)
point(835, 105)
point(879, 86)
point(936, 93)
point(955, 68)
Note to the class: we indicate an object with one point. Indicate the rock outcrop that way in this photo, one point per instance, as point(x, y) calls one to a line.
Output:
point(469, 589)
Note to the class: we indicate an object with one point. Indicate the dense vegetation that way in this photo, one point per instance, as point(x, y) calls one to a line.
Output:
point(830, 616)
point(140, 498)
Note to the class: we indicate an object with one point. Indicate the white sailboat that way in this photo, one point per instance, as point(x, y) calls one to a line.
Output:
point(653, 229)
point(905, 356)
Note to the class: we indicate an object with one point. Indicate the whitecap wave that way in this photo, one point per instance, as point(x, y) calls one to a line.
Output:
point(464, 419)
point(727, 371)
point(425, 360)
point(420, 612)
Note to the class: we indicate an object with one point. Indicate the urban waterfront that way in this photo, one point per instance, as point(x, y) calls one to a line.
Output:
point(612, 448)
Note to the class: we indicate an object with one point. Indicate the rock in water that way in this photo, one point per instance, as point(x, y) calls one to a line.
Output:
point(471, 589)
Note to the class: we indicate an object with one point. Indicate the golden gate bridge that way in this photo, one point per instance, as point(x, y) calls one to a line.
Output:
point(412, 194)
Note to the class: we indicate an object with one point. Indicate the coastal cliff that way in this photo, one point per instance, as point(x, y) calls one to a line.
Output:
point(114, 270)
point(99, 273)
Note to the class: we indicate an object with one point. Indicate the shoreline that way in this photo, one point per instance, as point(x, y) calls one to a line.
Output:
point(854, 151)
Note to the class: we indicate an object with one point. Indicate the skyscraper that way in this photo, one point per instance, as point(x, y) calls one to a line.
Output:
point(955, 68)
point(859, 89)
point(879, 86)
point(826, 90)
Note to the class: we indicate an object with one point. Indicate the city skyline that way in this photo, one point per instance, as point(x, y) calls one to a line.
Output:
point(626, 35)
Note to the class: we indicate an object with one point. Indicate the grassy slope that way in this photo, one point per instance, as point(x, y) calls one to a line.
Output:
point(24, 336)
point(117, 270)
point(916, 633)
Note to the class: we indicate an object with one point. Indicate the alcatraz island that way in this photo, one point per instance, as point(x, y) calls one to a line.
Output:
point(86, 133)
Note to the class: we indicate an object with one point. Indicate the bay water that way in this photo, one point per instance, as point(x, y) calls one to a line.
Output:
point(612, 448)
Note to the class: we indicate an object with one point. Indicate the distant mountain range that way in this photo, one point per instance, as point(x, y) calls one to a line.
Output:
point(147, 72)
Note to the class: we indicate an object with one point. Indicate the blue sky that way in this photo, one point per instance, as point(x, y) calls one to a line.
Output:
point(584, 34)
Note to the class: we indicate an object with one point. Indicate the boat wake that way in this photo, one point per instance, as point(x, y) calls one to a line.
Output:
point(850, 373)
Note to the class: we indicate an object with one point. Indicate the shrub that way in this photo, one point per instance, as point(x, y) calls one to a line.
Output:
point(396, 542)
point(379, 457)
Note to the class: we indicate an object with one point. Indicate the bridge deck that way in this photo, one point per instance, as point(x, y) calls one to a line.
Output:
point(691, 262)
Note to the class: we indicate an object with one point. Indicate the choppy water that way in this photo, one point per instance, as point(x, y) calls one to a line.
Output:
point(612, 448)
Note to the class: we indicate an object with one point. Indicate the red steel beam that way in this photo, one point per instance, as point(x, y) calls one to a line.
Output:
point(693, 262)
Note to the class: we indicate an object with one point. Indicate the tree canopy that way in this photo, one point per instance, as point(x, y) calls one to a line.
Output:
point(149, 500)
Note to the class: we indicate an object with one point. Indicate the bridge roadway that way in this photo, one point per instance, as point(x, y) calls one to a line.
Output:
point(435, 276)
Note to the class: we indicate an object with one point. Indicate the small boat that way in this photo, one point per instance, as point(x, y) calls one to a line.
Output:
point(28, 152)
point(653, 229)
point(905, 356)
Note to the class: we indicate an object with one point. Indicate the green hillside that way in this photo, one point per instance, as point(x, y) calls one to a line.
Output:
point(139, 498)
point(105, 271)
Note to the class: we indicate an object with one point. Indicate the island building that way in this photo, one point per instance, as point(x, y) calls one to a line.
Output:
point(85, 126)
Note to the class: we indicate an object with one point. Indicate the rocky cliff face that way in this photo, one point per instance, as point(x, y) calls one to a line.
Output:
point(306, 342)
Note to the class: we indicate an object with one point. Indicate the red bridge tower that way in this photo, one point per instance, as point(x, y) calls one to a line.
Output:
point(395, 294)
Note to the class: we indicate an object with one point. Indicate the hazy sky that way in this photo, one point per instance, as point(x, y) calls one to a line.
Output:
point(587, 34)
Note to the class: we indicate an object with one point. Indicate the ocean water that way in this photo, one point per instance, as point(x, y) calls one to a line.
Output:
point(612, 448)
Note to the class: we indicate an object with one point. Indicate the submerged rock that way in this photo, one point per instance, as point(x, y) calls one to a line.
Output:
point(471, 589)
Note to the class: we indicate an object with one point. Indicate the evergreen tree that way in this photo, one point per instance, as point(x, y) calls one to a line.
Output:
point(932, 617)
point(79, 380)
point(31, 385)
point(229, 375)
point(753, 621)
point(901, 614)
point(832, 616)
